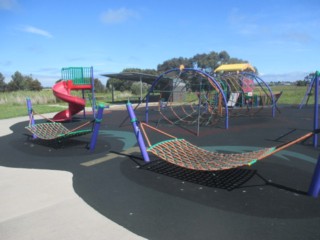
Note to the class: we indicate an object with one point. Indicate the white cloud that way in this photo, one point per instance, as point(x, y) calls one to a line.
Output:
point(113, 16)
point(8, 4)
point(38, 31)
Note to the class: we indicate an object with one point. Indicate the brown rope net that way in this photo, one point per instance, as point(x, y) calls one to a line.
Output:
point(48, 131)
point(55, 130)
point(184, 154)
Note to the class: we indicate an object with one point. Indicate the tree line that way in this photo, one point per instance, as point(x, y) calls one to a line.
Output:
point(19, 82)
point(205, 61)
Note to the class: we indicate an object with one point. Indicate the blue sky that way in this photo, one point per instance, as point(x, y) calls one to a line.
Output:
point(281, 38)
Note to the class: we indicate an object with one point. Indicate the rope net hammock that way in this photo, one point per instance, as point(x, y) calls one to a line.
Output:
point(51, 131)
point(56, 130)
point(184, 154)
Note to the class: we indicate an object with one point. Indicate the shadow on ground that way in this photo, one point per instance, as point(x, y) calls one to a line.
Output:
point(161, 201)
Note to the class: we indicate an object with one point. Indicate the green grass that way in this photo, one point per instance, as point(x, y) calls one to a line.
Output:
point(11, 110)
point(19, 97)
point(291, 95)
point(13, 104)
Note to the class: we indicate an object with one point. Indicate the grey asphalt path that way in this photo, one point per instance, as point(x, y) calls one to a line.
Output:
point(42, 204)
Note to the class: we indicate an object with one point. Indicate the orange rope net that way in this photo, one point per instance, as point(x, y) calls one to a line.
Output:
point(184, 154)
point(48, 131)
point(53, 130)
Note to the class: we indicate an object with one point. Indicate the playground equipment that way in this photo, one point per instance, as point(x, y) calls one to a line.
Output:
point(188, 97)
point(247, 93)
point(309, 93)
point(193, 97)
point(74, 78)
point(313, 84)
point(56, 131)
point(184, 154)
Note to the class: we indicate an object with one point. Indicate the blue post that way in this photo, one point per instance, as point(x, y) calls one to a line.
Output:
point(137, 132)
point(97, 123)
point(31, 118)
point(316, 110)
point(314, 188)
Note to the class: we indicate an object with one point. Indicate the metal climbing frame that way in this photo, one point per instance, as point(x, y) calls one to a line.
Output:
point(206, 85)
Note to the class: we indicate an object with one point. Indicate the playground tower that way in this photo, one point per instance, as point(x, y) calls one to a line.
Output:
point(76, 79)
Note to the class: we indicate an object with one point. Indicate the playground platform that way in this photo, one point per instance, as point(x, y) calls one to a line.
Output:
point(51, 191)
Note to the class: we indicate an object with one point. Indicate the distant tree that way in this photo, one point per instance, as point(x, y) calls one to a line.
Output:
point(35, 85)
point(309, 77)
point(115, 83)
point(16, 83)
point(20, 82)
point(204, 61)
point(98, 86)
point(3, 85)
point(224, 57)
point(174, 63)
point(138, 70)
point(301, 83)
point(136, 88)
point(125, 85)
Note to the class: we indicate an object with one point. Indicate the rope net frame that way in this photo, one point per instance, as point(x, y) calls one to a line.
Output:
point(55, 130)
point(194, 97)
point(182, 153)
point(189, 98)
point(48, 131)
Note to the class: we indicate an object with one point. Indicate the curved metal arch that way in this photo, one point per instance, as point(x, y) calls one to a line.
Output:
point(259, 81)
point(211, 80)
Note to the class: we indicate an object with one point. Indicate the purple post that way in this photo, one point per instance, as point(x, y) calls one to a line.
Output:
point(137, 132)
point(316, 105)
point(31, 118)
point(97, 123)
point(314, 189)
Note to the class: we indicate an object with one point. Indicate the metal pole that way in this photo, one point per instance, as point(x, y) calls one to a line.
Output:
point(316, 108)
point(314, 188)
point(199, 106)
point(96, 128)
point(31, 118)
point(112, 93)
point(137, 132)
point(140, 89)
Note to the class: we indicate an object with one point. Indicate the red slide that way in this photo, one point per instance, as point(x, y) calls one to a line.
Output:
point(76, 104)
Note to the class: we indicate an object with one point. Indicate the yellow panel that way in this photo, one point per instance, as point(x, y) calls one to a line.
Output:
point(235, 67)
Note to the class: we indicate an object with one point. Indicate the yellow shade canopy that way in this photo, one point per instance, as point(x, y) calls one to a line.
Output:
point(235, 67)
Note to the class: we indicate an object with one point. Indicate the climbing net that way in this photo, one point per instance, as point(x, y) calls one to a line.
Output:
point(54, 130)
point(184, 154)
point(188, 97)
